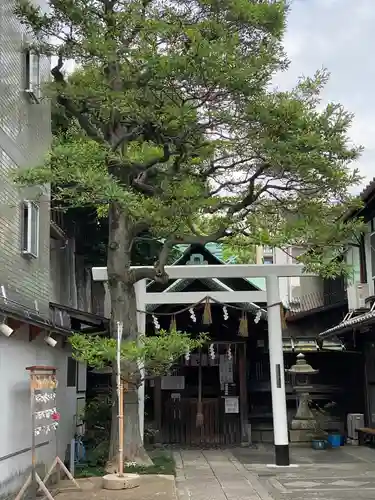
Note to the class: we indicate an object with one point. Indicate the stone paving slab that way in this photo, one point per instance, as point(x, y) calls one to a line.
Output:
point(348, 454)
point(211, 475)
point(341, 474)
point(243, 474)
point(151, 488)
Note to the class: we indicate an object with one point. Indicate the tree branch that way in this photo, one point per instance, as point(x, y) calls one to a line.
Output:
point(249, 198)
point(125, 137)
point(214, 167)
point(148, 169)
point(140, 227)
point(127, 41)
point(68, 104)
point(227, 184)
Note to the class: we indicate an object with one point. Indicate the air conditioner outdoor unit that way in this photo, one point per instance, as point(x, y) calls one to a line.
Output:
point(354, 421)
point(357, 295)
point(295, 298)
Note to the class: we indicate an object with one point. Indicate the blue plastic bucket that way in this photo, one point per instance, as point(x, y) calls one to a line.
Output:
point(334, 440)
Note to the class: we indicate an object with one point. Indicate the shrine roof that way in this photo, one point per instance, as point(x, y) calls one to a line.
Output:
point(206, 255)
point(210, 254)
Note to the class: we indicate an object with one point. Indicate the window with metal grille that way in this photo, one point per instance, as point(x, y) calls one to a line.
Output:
point(30, 228)
point(32, 70)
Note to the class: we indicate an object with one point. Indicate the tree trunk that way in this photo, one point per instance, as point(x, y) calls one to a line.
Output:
point(123, 309)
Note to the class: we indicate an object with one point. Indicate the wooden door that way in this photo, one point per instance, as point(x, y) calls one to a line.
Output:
point(180, 424)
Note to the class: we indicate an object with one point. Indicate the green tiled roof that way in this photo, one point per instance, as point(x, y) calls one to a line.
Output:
point(216, 250)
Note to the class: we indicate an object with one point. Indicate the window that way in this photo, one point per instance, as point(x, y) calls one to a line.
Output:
point(30, 229)
point(71, 373)
point(362, 260)
point(32, 68)
point(268, 259)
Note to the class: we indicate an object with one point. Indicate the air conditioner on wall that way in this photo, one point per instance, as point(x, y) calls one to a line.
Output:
point(357, 295)
point(354, 421)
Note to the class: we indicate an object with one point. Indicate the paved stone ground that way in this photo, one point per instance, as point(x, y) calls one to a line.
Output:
point(151, 488)
point(212, 475)
point(243, 474)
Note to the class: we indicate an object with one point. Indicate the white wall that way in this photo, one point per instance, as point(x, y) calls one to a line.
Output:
point(16, 353)
point(281, 257)
point(309, 289)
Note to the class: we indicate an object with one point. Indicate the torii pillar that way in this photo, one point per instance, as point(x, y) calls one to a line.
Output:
point(276, 354)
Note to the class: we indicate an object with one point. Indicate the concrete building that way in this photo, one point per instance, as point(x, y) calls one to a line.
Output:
point(298, 294)
point(39, 269)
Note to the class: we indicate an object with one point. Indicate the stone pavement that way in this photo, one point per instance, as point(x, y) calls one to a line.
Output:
point(213, 475)
point(152, 487)
point(243, 474)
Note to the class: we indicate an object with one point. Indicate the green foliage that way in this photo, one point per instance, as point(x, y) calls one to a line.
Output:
point(87, 470)
point(240, 249)
point(163, 463)
point(97, 417)
point(157, 354)
point(174, 120)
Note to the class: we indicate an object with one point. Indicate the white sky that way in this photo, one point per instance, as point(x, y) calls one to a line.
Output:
point(338, 35)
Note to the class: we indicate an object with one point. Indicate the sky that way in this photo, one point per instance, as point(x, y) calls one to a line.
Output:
point(338, 35)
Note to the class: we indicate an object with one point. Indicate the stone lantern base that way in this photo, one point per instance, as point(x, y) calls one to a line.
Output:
point(301, 436)
point(304, 424)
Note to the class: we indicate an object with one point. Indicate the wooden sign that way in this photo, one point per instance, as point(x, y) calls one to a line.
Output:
point(173, 383)
point(40, 382)
point(232, 405)
point(226, 370)
point(45, 419)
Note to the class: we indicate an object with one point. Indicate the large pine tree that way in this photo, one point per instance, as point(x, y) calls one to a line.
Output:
point(175, 123)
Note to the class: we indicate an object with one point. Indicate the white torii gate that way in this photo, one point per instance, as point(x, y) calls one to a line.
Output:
point(272, 273)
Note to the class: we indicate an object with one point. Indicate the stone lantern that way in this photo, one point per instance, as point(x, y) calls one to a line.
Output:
point(304, 423)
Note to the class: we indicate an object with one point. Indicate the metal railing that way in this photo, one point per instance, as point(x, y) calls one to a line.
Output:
point(59, 317)
point(57, 215)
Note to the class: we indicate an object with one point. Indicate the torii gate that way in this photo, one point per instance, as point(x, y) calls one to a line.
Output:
point(272, 273)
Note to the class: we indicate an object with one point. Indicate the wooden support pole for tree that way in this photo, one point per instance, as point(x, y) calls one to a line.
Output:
point(121, 431)
point(120, 402)
point(158, 409)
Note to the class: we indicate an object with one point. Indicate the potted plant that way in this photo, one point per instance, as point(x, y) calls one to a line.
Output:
point(335, 437)
point(321, 438)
